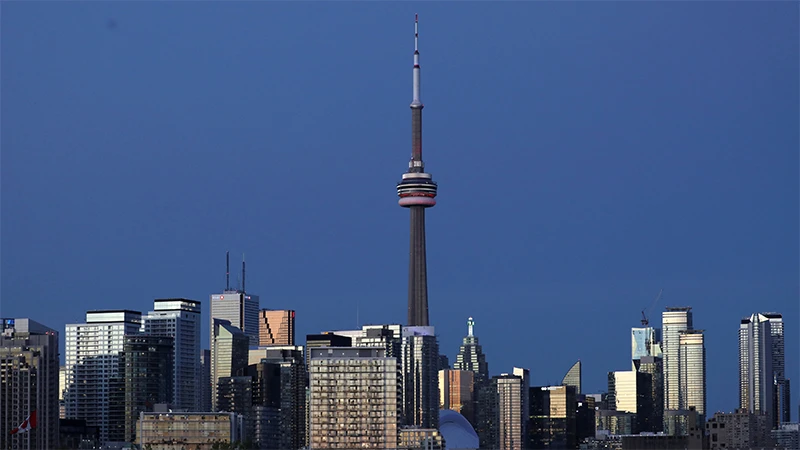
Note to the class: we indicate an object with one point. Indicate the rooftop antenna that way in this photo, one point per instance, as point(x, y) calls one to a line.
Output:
point(227, 270)
point(243, 290)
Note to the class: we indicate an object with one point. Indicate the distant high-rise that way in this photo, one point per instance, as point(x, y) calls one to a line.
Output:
point(204, 391)
point(470, 357)
point(237, 307)
point(417, 191)
point(146, 364)
point(553, 422)
point(420, 363)
point(645, 342)
point(629, 391)
point(574, 377)
point(692, 370)
point(763, 386)
point(673, 321)
point(275, 327)
point(279, 381)
point(229, 352)
point(179, 318)
point(782, 409)
point(29, 380)
point(456, 392)
point(654, 367)
point(92, 361)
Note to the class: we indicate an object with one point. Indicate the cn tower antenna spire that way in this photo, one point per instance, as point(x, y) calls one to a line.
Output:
point(417, 96)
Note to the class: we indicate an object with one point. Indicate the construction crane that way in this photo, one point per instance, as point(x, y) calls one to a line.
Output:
point(645, 321)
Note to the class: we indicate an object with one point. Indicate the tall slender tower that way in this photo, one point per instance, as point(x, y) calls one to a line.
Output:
point(417, 191)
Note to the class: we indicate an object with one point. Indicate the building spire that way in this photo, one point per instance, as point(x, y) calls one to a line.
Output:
point(470, 326)
point(417, 100)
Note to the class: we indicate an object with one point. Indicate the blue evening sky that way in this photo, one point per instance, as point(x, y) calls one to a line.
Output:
point(588, 154)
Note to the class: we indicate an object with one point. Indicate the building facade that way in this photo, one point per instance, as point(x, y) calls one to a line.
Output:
point(29, 382)
point(229, 353)
point(692, 370)
point(179, 319)
point(146, 363)
point(456, 392)
point(673, 321)
point(188, 430)
point(92, 361)
point(739, 430)
point(275, 327)
point(552, 420)
point(355, 398)
point(240, 309)
point(574, 377)
point(420, 364)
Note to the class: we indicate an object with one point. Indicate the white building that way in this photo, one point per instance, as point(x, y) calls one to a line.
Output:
point(238, 308)
point(179, 319)
point(92, 350)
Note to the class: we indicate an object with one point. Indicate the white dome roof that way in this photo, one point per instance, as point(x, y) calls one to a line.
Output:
point(457, 431)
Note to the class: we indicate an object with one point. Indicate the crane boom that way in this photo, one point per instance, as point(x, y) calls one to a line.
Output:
point(645, 321)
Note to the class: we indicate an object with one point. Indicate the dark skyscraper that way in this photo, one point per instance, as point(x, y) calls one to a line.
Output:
point(417, 191)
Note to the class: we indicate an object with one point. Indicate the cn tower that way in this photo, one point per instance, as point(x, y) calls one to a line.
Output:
point(417, 191)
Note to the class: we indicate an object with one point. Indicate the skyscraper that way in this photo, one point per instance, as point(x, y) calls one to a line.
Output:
point(29, 374)
point(420, 363)
point(237, 307)
point(417, 191)
point(179, 318)
point(92, 361)
point(470, 357)
point(673, 321)
point(782, 395)
point(763, 386)
point(692, 371)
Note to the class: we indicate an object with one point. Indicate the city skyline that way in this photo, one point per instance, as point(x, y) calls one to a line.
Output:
point(619, 165)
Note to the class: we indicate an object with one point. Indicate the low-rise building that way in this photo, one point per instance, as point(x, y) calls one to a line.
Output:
point(187, 430)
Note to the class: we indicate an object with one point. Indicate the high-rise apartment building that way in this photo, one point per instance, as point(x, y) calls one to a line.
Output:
point(355, 398)
point(763, 386)
point(29, 381)
point(692, 370)
point(92, 361)
point(179, 319)
point(673, 321)
point(507, 399)
point(456, 392)
point(229, 353)
point(275, 327)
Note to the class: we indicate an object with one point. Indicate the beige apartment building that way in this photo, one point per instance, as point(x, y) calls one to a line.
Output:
point(355, 398)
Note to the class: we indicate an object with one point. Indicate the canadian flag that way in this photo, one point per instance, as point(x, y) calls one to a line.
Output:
point(26, 424)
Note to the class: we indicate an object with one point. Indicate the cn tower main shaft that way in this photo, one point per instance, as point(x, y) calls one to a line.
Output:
point(417, 191)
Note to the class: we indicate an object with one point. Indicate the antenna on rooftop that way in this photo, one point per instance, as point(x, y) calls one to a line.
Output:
point(227, 270)
point(243, 290)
